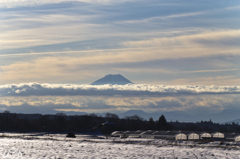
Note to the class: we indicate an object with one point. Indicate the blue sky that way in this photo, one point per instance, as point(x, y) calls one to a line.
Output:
point(149, 42)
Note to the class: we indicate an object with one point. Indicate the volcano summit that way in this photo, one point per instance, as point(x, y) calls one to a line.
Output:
point(112, 79)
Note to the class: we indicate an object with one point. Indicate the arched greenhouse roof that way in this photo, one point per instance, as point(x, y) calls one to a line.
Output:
point(237, 138)
point(181, 136)
point(205, 135)
point(218, 135)
point(193, 136)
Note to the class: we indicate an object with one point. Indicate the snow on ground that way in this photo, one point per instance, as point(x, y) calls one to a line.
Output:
point(37, 146)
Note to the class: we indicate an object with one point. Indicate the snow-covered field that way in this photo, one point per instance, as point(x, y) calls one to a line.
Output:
point(37, 146)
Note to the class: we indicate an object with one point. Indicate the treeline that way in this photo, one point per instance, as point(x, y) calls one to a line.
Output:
point(60, 122)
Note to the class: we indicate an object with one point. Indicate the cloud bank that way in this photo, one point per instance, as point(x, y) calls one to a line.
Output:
point(46, 89)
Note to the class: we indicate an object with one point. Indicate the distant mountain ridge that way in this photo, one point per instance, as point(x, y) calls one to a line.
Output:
point(235, 121)
point(169, 115)
point(223, 117)
point(112, 79)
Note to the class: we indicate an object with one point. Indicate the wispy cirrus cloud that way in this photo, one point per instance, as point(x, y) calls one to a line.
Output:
point(224, 38)
point(24, 3)
point(199, 71)
point(180, 15)
point(164, 17)
point(206, 44)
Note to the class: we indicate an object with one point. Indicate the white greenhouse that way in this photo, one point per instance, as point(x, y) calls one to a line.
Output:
point(218, 135)
point(193, 136)
point(237, 138)
point(205, 135)
point(180, 136)
point(116, 133)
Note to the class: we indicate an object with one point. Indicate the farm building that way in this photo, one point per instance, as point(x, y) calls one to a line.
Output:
point(237, 138)
point(148, 134)
point(177, 135)
point(180, 136)
point(134, 134)
point(124, 134)
point(193, 136)
point(218, 135)
point(116, 133)
point(205, 136)
point(169, 135)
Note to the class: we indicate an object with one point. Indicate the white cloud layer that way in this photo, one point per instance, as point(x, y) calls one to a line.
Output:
point(45, 89)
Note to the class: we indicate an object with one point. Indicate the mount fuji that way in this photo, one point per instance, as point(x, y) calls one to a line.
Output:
point(112, 79)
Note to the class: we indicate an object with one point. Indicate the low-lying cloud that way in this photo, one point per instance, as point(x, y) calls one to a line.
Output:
point(46, 89)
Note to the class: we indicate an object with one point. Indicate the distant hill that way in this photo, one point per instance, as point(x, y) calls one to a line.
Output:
point(112, 79)
point(230, 115)
point(235, 121)
point(135, 112)
point(169, 115)
point(235, 115)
